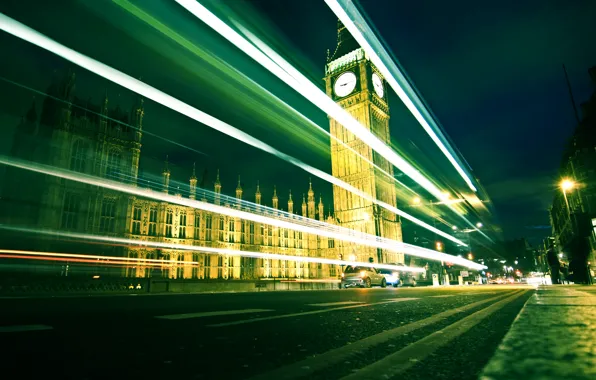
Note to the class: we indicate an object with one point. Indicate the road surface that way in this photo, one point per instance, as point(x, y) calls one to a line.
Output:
point(404, 333)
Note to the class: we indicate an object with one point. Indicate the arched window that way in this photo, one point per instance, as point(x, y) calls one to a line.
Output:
point(113, 170)
point(78, 156)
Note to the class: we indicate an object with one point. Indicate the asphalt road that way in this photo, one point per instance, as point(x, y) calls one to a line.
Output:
point(419, 333)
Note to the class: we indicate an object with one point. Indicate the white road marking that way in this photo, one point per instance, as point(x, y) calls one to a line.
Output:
point(211, 314)
point(334, 303)
point(23, 328)
point(308, 312)
point(398, 362)
point(443, 296)
point(308, 366)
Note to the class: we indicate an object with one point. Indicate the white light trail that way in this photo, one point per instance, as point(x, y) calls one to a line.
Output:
point(190, 46)
point(357, 26)
point(293, 78)
point(194, 248)
point(24, 32)
point(282, 220)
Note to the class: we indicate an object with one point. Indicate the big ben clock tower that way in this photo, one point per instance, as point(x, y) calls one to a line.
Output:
point(357, 86)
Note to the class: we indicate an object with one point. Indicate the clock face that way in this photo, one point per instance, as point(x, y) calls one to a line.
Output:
point(345, 84)
point(378, 85)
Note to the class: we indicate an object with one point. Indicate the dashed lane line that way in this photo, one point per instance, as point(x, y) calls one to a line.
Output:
point(23, 328)
point(211, 314)
point(308, 313)
point(335, 303)
point(319, 362)
point(399, 361)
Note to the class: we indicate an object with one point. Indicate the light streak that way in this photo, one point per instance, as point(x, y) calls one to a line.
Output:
point(293, 78)
point(273, 62)
point(281, 219)
point(188, 45)
point(38, 256)
point(357, 26)
point(94, 258)
point(20, 30)
point(291, 221)
point(219, 251)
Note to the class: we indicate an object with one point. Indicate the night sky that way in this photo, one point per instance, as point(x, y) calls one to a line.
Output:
point(491, 72)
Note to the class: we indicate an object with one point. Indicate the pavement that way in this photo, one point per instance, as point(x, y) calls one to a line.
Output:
point(405, 333)
point(553, 337)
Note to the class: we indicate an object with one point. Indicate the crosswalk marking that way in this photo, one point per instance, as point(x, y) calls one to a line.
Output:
point(334, 303)
point(211, 314)
point(23, 328)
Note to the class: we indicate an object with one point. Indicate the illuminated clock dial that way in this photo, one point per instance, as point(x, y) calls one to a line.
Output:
point(378, 85)
point(345, 84)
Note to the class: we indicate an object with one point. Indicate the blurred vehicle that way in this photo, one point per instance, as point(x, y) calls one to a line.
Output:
point(391, 277)
point(407, 280)
point(362, 277)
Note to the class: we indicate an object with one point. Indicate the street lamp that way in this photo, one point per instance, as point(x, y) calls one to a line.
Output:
point(454, 228)
point(416, 200)
point(479, 225)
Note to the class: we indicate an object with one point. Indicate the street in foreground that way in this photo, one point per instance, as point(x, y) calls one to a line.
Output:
point(417, 333)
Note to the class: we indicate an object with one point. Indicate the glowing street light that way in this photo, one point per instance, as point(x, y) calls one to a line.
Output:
point(567, 185)
point(439, 246)
point(470, 256)
point(479, 225)
point(416, 200)
point(454, 228)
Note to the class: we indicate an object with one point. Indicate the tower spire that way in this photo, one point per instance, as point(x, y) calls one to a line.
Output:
point(304, 214)
point(239, 189)
point(258, 194)
point(275, 200)
point(193, 182)
point(290, 203)
point(166, 176)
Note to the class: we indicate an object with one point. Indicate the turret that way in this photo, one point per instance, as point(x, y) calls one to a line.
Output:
point(258, 194)
point(65, 92)
point(290, 203)
point(304, 206)
point(137, 121)
point(217, 188)
point(239, 189)
point(311, 201)
point(274, 199)
point(166, 176)
point(193, 183)
point(321, 209)
point(103, 121)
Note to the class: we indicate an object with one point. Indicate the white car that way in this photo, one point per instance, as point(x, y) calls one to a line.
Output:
point(362, 277)
point(391, 277)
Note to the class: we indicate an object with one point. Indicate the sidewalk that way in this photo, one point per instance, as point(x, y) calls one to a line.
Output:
point(553, 337)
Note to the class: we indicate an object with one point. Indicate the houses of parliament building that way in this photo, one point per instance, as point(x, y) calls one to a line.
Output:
point(106, 142)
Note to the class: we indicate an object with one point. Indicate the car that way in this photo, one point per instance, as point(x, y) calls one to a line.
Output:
point(391, 277)
point(363, 277)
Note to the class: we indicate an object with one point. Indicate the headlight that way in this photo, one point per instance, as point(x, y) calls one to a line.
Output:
point(363, 274)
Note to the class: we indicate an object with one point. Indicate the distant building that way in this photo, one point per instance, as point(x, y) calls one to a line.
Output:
point(573, 212)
